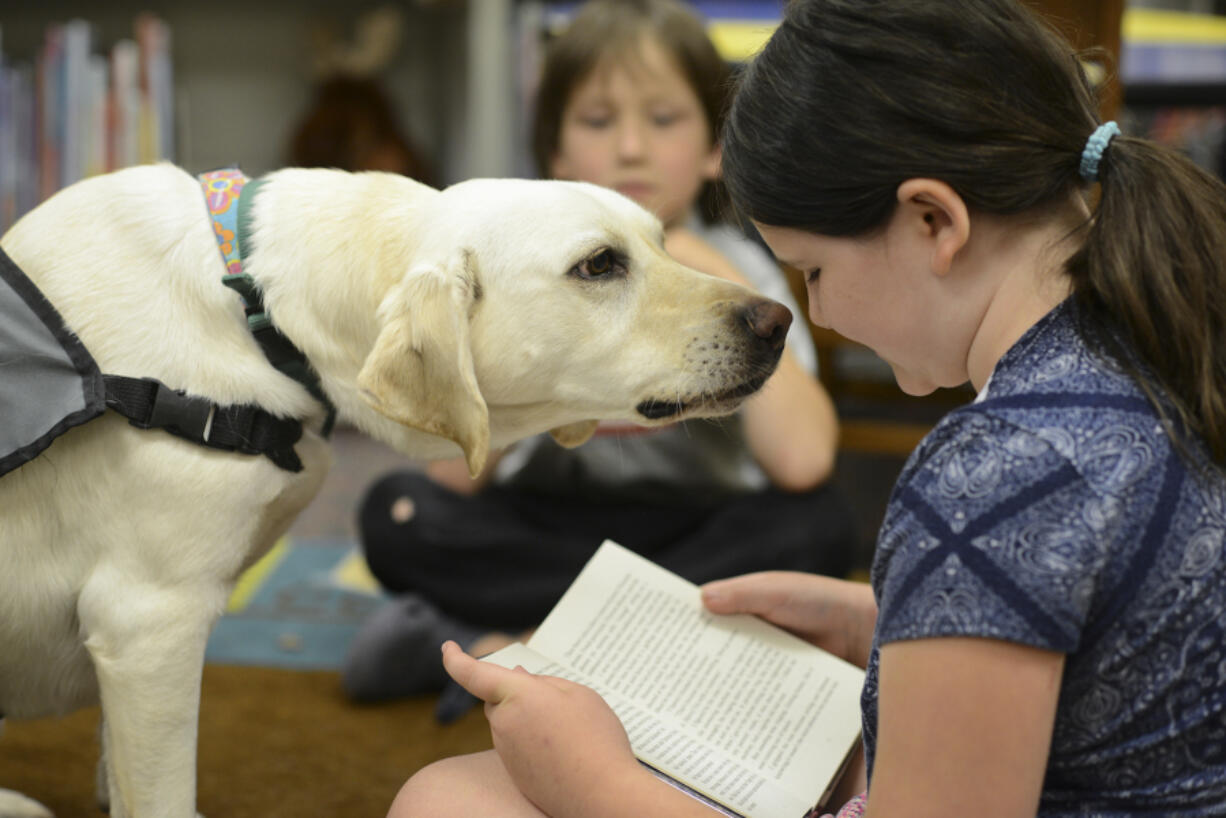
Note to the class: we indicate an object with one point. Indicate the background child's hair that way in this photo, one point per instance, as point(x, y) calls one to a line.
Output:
point(613, 30)
point(852, 97)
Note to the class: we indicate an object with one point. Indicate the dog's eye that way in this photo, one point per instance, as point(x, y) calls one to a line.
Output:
point(600, 265)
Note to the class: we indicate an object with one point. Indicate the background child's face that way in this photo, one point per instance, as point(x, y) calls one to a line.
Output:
point(636, 125)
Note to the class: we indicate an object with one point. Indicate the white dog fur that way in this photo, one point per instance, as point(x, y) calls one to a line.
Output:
point(435, 319)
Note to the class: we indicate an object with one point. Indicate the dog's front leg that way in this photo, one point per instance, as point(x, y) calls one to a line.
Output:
point(147, 642)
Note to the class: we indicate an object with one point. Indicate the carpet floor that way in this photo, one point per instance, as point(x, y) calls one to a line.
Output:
point(273, 743)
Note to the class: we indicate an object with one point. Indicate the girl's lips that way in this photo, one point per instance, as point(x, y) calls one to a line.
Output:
point(635, 190)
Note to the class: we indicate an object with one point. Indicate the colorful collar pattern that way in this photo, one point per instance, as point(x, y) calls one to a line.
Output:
point(222, 189)
point(229, 213)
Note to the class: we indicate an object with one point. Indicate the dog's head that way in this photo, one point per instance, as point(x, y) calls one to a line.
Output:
point(535, 305)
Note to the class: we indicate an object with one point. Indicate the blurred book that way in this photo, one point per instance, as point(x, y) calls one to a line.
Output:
point(1160, 46)
point(75, 109)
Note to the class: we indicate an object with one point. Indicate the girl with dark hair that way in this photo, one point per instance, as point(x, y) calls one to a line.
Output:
point(1045, 626)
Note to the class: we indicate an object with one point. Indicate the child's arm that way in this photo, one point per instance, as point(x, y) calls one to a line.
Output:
point(964, 724)
point(964, 728)
point(792, 428)
point(791, 425)
point(563, 746)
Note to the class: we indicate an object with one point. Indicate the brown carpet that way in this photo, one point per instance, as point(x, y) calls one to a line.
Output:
point(272, 743)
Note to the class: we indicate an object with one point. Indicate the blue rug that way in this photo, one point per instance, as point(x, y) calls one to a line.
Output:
point(297, 608)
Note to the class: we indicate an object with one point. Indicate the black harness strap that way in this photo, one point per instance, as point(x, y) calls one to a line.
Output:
point(279, 350)
point(150, 404)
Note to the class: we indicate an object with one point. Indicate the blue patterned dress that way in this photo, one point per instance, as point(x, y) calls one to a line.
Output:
point(1054, 512)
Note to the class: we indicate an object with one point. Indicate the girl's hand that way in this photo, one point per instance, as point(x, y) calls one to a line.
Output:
point(562, 744)
point(836, 615)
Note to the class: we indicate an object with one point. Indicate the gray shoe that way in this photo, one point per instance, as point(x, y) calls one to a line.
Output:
point(395, 653)
point(453, 703)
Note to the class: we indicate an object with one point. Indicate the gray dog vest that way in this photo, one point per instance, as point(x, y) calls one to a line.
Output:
point(49, 383)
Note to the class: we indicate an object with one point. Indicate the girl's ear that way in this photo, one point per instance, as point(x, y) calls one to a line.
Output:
point(713, 166)
point(941, 217)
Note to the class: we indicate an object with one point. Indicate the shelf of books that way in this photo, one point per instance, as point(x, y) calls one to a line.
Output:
point(1173, 68)
point(78, 108)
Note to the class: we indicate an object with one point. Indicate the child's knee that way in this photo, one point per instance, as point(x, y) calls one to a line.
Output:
point(433, 790)
point(475, 784)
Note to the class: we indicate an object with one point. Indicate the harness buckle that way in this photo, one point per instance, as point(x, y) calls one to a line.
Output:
point(175, 411)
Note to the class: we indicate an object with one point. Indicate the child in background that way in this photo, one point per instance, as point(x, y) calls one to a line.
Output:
point(1044, 633)
point(632, 97)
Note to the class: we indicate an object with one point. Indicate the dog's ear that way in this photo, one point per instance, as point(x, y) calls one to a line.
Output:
point(420, 371)
point(574, 434)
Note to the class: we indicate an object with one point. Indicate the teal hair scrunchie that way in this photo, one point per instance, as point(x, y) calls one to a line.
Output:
point(1096, 145)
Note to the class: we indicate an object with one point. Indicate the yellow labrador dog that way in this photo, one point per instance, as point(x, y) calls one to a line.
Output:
point(438, 322)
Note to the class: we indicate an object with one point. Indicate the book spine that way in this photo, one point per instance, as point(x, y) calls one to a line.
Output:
point(74, 80)
point(153, 38)
point(25, 143)
point(125, 104)
point(96, 131)
point(50, 110)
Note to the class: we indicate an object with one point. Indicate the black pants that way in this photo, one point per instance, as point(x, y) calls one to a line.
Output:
point(503, 558)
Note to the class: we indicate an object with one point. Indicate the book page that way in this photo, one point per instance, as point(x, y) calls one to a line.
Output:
point(774, 704)
point(695, 767)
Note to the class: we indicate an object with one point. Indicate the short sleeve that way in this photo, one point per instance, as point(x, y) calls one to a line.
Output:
point(991, 532)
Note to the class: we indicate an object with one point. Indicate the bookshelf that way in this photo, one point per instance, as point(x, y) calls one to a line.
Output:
point(242, 78)
point(74, 111)
point(1173, 67)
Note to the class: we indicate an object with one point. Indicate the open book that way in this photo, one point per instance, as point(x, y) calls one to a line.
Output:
point(737, 712)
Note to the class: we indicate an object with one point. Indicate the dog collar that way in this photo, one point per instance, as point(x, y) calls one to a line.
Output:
point(229, 195)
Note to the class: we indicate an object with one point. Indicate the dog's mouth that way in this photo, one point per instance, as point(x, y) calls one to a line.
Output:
point(717, 403)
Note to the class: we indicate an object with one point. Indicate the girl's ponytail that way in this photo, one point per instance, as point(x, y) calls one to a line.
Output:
point(1154, 265)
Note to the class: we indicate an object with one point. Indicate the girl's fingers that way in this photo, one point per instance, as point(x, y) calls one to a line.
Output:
point(760, 594)
point(485, 680)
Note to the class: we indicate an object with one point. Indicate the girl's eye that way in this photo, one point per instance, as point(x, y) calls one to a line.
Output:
point(595, 120)
point(812, 275)
point(602, 264)
point(664, 120)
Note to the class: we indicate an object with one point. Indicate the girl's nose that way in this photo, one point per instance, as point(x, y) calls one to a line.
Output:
point(631, 139)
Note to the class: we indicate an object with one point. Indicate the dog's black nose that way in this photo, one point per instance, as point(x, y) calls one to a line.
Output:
point(769, 320)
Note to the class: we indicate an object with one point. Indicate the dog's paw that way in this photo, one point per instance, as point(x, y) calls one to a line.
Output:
point(16, 805)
